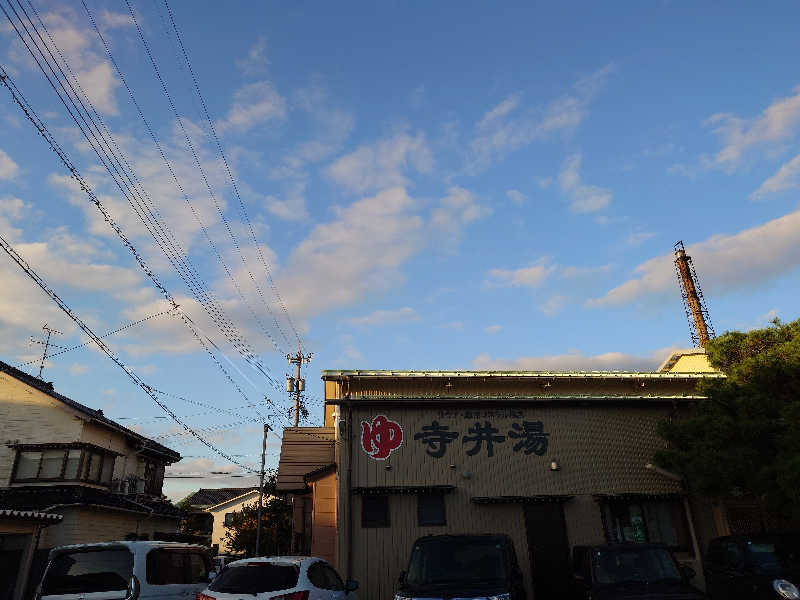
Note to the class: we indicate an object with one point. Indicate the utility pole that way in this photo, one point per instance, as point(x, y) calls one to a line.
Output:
point(261, 489)
point(46, 346)
point(297, 384)
point(694, 304)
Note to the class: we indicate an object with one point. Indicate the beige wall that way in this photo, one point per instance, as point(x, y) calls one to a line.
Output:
point(601, 449)
point(30, 416)
point(692, 363)
point(323, 534)
point(234, 505)
point(82, 525)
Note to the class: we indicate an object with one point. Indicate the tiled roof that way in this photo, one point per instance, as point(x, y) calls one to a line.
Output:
point(29, 515)
point(47, 388)
point(333, 375)
point(43, 498)
point(214, 496)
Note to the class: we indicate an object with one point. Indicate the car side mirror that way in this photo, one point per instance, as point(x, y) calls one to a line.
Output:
point(351, 585)
point(688, 572)
point(133, 588)
point(402, 578)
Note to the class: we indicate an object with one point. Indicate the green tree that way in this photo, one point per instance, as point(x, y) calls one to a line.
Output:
point(743, 439)
point(276, 529)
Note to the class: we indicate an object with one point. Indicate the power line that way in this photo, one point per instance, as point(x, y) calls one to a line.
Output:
point(19, 98)
point(202, 171)
point(65, 349)
point(29, 271)
point(242, 208)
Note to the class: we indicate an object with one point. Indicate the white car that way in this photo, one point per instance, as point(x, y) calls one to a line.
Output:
point(279, 578)
point(125, 571)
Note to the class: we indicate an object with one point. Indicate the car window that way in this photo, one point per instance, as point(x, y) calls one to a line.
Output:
point(334, 581)
point(255, 577)
point(317, 576)
point(734, 555)
point(88, 571)
point(166, 566)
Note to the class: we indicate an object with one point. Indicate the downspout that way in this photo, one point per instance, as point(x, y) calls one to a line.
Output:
point(349, 481)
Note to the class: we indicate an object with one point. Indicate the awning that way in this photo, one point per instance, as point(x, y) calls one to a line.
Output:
point(403, 490)
point(633, 496)
point(520, 499)
point(30, 515)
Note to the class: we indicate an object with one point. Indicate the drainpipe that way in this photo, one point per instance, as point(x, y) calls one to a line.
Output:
point(349, 482)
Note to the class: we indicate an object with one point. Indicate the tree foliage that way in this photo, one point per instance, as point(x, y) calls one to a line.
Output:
point(743, 440)
point(276, 525)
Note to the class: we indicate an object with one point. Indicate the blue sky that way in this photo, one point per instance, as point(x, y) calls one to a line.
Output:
point(432, 186)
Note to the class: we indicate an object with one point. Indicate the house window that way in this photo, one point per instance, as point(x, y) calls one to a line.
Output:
point(228, 519)
point(375, 511)
point(430, 509)
point(656, 521)
point(68, 462)
point(153, 478)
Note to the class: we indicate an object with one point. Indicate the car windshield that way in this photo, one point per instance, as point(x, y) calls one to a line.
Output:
point(643, 565)
point(771, 557)
point(88, 571)
point(255, 577)
point(469, 560)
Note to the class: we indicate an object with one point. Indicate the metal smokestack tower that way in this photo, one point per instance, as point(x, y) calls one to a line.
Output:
point(693, 302)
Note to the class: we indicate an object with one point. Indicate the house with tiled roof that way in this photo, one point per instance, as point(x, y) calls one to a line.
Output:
point(61, 457)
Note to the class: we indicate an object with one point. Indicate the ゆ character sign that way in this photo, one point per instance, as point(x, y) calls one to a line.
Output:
point(380, 437)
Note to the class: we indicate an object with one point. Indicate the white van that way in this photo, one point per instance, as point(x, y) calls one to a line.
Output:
point(126, 571)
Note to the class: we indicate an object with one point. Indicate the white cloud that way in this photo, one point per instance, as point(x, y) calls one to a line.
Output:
point(637, 238)
point(111, 20)
point(531, 276)
point(582, 198)
point(506, 128)
point(382, 317)
point(354, 255)
point(725, 263)
point(77, 369)
point(553, 305)
point(775, 126)
point(256, 61)
point(8, 168)
point(292, 207)
point(253, 104)
point(516, 197)
point(492, 329)
point(544, 182)
point(456, 211)
point(787, 178)
point(382, 164)
point(575, 361)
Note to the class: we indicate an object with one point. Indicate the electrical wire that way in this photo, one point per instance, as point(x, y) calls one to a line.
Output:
point(242, 207)
point(30, 272)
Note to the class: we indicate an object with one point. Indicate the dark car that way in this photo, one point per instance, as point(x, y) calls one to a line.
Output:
point(630, 571)
point(462, 566)
point(763, 566)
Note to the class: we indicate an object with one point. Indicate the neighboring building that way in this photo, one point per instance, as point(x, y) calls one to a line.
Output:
point(19, 533)
point(552, 459)
point(58, 456)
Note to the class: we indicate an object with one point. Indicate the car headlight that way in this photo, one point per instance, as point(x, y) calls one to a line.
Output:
point(505, 596)
point(399, 597)
point(786, 589)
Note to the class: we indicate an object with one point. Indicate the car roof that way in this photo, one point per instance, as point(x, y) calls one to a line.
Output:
point(463, 537)
point(132, 545)
point(622, 546)
point(296, 560)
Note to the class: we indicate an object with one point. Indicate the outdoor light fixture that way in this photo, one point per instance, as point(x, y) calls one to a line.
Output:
point(388, 467)
point(554, 466)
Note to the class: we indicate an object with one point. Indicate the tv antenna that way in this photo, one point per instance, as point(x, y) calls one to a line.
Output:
point(50, 332)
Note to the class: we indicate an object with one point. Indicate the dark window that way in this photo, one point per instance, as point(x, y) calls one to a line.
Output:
point(375, 511)
point(168, 566)
point(656, 521)
point(153, 478)
point(430, 509)
point(735, 558)
point(87, 572)
point(465, 559)
point(317, 577)
point(228, 519)
point(64, 464)
point(255, 577)
point(334, 581)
